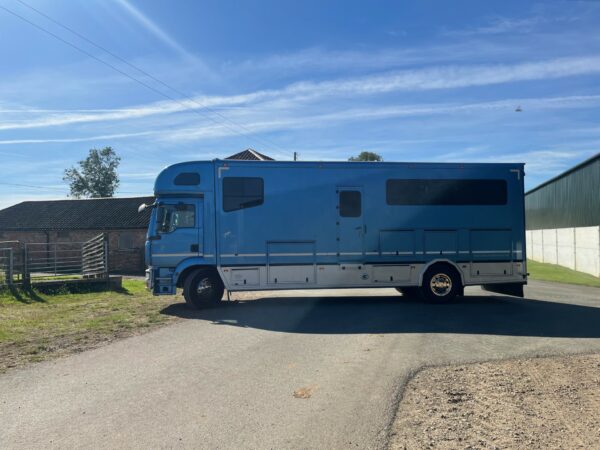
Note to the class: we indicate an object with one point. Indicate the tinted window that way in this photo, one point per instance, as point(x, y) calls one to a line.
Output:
point(171, 217)
point(446, 192)
point(242, 192)
point(350, 204)
point(187, 179)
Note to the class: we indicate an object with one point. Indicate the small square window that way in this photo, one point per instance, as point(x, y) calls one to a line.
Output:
point(242, 193)
point(350, 204)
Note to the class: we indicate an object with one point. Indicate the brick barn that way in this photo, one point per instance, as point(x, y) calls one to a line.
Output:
point(80, 220)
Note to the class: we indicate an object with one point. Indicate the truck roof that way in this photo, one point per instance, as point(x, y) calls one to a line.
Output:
point(165, 181)
point(353, 163)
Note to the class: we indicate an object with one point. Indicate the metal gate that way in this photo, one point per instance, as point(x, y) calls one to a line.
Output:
point(33, 261)
point(11, 262)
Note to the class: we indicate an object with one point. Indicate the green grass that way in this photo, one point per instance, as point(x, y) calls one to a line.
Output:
point(35, 325)
point(559, 274)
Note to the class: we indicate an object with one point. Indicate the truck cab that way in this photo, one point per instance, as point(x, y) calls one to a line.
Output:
point(181, 231)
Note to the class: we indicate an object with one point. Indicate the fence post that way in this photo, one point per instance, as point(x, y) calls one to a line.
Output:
point(55, 274)
point(10, 267)
point(106, 274)
point(82, 259)
point(26, 278)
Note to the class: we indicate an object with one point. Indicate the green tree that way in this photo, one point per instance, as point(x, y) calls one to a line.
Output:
point(366, 156)
point(96, 175)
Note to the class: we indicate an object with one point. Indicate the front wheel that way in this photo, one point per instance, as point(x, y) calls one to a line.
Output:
point(441, 284)
point(203, 288)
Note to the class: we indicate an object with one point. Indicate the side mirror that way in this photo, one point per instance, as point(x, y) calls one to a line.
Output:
point(142, 207)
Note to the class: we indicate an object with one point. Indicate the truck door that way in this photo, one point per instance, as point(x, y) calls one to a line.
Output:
point(179, 231)
point(350, 224)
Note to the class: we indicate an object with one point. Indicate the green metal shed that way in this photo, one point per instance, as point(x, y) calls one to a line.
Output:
point(571, 199)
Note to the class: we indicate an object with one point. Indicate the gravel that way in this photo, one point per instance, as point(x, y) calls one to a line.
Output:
point(539, 403)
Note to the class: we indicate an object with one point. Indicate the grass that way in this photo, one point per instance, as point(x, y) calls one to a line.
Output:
point(35, 326)
point(559, 274)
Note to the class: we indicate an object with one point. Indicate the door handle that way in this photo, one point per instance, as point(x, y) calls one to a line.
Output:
point(194, 248)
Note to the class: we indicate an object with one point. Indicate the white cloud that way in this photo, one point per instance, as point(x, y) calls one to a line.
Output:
point(76, 139)
point(67, 117)
point(433, 78)
point(164, 37)
point(450, 77)
point(263, 121)
point(502, 25)
point(263, 118)
point(154, 29)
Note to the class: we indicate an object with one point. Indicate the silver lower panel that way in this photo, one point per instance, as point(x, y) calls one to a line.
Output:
point(249, 278)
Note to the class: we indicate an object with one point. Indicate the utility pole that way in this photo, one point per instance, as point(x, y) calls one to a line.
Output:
point(295, 156)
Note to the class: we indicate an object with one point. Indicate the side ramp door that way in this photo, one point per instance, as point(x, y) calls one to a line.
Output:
point(350, 224)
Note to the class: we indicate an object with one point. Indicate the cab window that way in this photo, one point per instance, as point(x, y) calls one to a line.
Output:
point(171, 217)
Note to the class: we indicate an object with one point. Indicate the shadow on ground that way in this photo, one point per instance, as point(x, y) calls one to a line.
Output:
point(494, 315)
point(24, 295)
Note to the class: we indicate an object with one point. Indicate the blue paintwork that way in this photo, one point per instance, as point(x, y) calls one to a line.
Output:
point(301, 202)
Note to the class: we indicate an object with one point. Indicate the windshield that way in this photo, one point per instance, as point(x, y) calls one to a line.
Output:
point(171, 217)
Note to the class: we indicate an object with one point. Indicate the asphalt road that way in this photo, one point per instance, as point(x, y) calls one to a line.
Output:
point(226, 378)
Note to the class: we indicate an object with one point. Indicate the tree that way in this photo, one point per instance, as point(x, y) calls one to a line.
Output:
point(366, 156)
point(96, 176)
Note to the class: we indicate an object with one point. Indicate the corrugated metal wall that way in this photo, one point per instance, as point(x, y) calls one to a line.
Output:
point(571, 200)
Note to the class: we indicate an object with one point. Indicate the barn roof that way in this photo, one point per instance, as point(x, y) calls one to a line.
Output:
point(88, 214)
point(575, 168)
point(250, 155)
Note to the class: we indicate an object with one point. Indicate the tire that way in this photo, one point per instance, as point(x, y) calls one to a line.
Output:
point(441, 284)
point(203, 288)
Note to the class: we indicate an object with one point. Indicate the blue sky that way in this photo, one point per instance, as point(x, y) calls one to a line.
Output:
point(413, 81)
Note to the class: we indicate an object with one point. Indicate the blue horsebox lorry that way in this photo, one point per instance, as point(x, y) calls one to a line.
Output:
point(427, 229)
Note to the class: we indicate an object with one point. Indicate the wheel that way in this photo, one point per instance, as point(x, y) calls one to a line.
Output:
point(203, 288)
point(441, 284)
point(410, 291)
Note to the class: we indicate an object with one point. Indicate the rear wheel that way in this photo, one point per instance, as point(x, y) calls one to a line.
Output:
point(441, 284)
point(203, 288)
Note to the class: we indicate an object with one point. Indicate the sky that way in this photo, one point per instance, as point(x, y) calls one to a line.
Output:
point(415, 80)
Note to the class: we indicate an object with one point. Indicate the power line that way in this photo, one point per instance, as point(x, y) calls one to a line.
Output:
point(131, 77)
point(142, 71)
point(54, 188)
point(32, 186)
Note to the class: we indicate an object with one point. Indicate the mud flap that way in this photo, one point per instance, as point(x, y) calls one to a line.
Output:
point(514, 289)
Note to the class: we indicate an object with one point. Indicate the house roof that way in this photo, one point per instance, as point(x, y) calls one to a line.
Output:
point(250, 155)
point(88, 214)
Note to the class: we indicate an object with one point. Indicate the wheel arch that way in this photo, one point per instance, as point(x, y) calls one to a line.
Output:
point(452, 264)
point(190, 265)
